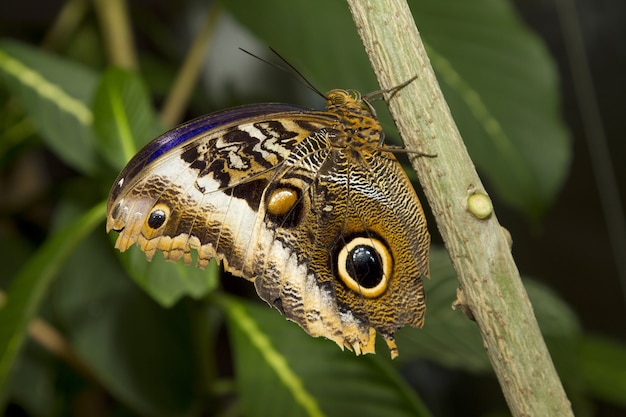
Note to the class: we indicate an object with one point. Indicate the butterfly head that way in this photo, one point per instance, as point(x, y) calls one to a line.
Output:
point(356, 115)
point(349, 100)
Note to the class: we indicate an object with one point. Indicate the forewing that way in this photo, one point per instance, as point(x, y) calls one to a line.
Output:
point(199, 185)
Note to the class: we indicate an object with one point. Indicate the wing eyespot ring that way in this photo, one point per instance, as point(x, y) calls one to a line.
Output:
point(364, 265)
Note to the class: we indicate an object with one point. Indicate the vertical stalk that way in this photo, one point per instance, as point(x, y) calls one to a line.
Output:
point(71, 15)
point(490, 285)
point(188, 75)
point(117, 32)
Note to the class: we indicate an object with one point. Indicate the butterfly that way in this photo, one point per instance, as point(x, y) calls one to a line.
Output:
point(309, 205)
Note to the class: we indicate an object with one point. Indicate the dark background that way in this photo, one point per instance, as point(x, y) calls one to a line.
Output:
point(571, 249)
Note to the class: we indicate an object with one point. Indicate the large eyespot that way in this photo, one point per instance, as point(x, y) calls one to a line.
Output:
point(364, 265)
point(158, 216)
point(284, 205)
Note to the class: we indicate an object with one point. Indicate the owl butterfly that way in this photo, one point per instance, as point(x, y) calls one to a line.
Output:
point(309, 205)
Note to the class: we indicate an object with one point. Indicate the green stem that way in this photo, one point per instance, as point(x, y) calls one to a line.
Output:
point(490, 285)
point(67, 21)
point(183, 87)
point(117, 32)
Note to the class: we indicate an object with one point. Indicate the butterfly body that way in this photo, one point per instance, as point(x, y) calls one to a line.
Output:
point(306, 204)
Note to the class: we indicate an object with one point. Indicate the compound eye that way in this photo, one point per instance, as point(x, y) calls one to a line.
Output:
point(364, 266)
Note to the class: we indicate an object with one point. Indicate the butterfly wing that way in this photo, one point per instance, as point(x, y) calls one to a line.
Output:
point(332, 234)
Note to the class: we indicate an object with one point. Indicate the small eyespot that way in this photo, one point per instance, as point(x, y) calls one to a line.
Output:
point(281, 201)
point(284, 206)
point(364, 265)
point(158, 216)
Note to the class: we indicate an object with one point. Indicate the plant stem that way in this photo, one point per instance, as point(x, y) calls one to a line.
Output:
point(188, 75)
point(54, 342)
point(117, 32)
point(490, 285)
point(72, 14)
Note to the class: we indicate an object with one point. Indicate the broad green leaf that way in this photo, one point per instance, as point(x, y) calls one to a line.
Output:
point(451, 339)
point(448, 336)
point(32, 383)
point(168, 281)
point(281, 370)
point(56, 94)
point(603, 364)
point(556, 319)
point(16, 129)
point(497, 77)
point(15, 249)
point(30, 285)
point(503, 89)
point(124, 119)
point(142, 353)
point(323, 44)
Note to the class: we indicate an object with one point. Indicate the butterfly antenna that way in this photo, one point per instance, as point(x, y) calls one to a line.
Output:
point(293, 73)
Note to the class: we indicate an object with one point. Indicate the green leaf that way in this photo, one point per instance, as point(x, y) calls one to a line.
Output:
point(141, 352)
point(324, 46)
point(168, 281)
point(451, 339)
point(124, 119)
point(556, 319)
point(281, 370)
point(603, 364)
point(497, 77)
point(30, 285)
point(503, 89)
point(33, 380)
point(56, 94)
point(448, 336)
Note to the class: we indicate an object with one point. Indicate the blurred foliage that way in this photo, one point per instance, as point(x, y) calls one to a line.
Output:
point(162, 339)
